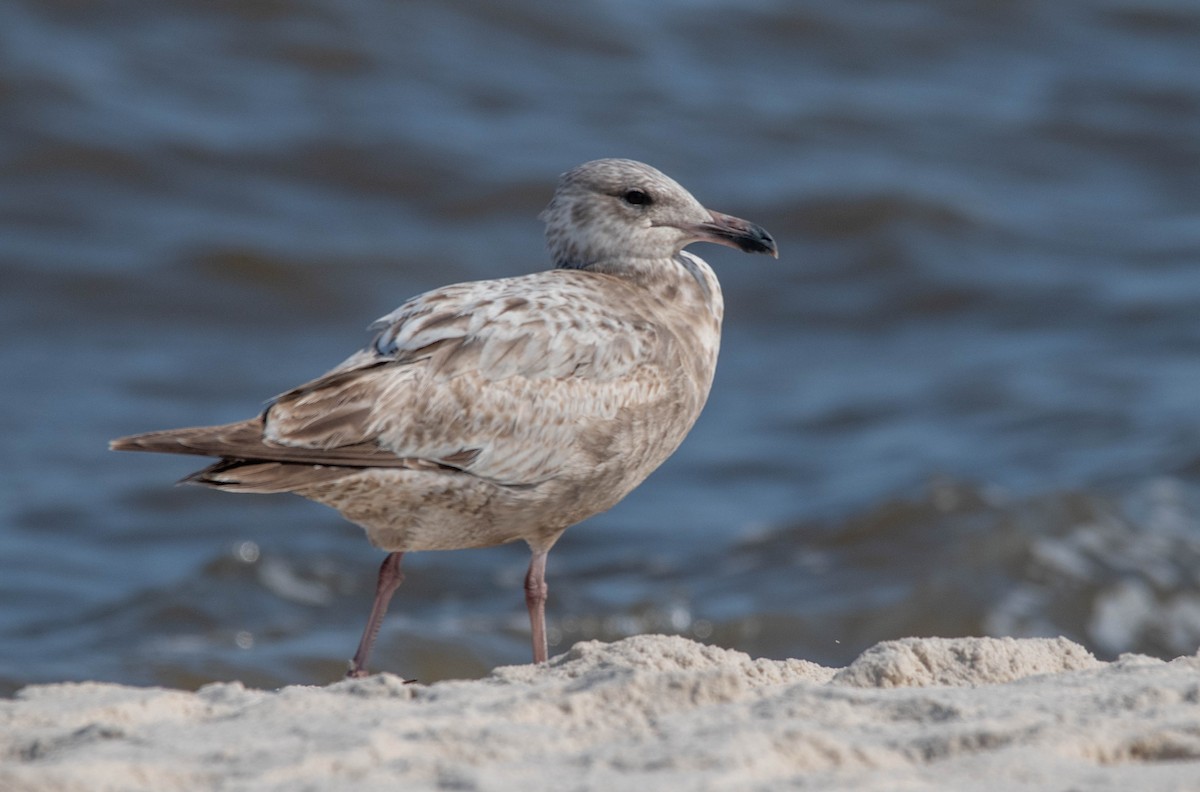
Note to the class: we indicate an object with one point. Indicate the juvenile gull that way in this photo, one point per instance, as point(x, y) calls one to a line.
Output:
point(498, 410)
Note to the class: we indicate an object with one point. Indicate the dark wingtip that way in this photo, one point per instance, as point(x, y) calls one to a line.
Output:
point(148, 441)
point(123, 444)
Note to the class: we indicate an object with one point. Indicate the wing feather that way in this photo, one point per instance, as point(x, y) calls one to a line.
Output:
point(493, 377)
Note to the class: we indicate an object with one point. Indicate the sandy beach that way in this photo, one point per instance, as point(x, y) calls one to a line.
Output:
point(649, 712)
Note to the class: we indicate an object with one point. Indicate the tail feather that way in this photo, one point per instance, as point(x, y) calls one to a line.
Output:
point(245, 464)
point(238, 475)
point(244, 441)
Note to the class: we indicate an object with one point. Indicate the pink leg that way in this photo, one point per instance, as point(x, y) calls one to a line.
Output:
point(535, 599)
point(390, 578)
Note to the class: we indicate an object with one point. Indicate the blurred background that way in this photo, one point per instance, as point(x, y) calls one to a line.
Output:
point(964, 400)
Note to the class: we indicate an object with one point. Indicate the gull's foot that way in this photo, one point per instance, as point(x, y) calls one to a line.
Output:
point(362, 673)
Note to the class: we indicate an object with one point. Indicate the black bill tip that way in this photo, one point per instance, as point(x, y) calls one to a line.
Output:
point(737, 233)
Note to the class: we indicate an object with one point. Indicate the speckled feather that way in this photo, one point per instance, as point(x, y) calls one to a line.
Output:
point(507, 409)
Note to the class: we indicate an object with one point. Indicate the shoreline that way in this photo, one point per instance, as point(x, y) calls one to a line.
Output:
point(655, 711)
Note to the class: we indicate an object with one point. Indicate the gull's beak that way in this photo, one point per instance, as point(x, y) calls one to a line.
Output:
point(737, 233)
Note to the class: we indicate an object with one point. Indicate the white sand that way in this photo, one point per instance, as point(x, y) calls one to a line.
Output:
point(647, 713)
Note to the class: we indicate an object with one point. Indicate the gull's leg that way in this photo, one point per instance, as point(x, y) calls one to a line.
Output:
point(390, 578)
point(535, 600)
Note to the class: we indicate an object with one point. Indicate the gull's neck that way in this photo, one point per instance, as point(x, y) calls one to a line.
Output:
point(685, 276)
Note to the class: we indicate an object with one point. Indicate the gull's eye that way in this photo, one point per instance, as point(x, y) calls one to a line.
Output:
point(636, 197)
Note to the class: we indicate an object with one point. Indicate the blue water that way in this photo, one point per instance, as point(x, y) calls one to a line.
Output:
point(964, 400)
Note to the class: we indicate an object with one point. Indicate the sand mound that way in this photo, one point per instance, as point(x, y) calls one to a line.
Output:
point(650, 712)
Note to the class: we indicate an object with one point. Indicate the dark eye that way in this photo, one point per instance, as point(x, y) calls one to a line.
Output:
point(636, 197)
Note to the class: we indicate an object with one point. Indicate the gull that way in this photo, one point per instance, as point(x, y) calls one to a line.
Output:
point(511, 409)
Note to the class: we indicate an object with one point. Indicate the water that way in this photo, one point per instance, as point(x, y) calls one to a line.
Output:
point(964, 401)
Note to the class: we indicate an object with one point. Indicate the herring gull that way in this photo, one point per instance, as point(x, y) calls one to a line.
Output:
point(498, 410)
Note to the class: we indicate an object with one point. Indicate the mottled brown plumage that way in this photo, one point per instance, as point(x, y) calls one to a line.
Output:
point(508, 409)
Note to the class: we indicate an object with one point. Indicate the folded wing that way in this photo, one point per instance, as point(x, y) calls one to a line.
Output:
point(496, 378)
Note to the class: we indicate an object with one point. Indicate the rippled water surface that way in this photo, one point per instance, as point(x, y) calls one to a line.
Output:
point(964, 400)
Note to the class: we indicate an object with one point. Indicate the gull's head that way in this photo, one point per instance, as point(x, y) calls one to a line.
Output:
point(612, 210)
